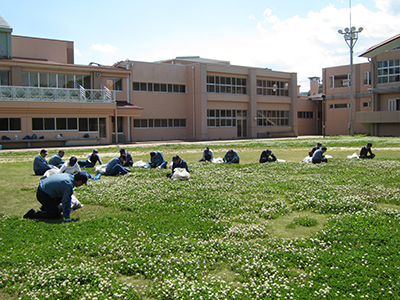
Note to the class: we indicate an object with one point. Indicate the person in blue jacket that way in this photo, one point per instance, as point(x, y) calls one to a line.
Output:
point(319, 156)
point(56, 159)
point(40, 165)
point(267, 156)
point(54, 190)
point(92, 159)
point(156, 161)
point(231, 157)
point(115, 166)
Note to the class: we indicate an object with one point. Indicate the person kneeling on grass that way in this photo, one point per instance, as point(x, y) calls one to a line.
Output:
point(54, 190)
point(319, 156)
point(365, 150)
point(231, 157)
point(267, 156)
point(156, 161)
point(208, 155)
point(115, 166)
point(178, 162)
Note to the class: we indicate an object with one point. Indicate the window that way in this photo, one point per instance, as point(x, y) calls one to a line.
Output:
point(159, 87)
point(54, 80)
point(272, 118)
point(88, 125)
point(226, 85)
point(54, 124)
point(114, 84)
point(389, 71)
point(159, 123)
point(272, 88)
point(393, 104)
point(367, 78)
point(4, 78)
point(339, 105)
point(338, 81)
point(10, 124)
point(225, 117)
point(305, 114)
point(366, 104)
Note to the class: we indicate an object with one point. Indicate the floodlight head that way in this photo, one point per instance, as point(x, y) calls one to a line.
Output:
point(347, 29)
point(340, 31)
point(353, 28)
point(360, 29)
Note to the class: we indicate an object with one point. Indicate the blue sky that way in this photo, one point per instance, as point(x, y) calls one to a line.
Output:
point(292, 36)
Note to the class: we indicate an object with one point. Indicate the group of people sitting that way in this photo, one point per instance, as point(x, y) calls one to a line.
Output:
point(317, 153)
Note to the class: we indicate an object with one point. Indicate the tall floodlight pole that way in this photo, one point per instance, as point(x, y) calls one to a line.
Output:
point(351, 36)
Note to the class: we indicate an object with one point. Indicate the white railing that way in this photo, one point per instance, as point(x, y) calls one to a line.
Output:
point(24, 93)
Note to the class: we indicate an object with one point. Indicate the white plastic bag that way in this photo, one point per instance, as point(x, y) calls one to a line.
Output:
point(180, 174)
point(217, 160)
point(139, 164)
point(50, 172)
point(354, 155)
point(75, 204)
point(101, 169)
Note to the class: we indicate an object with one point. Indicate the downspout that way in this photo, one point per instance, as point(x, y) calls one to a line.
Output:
point(194, 115)
point(373, 97)
point(128, 119)
point(116, 126)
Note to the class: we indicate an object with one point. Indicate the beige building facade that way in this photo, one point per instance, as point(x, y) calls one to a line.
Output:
point(43, 94)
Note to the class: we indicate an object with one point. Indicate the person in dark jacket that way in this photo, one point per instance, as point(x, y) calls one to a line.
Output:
point(54, 190)
point(129, 160)
point(40, 165)
point(267, 156)
point(156, 161)
point(178, 162)
point(314, 149)
point(92, 159)
point(231, 157)
point(319, 156)
point(56, 160)
point(115, 166)
point(365, 150)
point(208, 155)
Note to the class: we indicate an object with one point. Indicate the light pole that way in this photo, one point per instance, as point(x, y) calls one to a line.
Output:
point(351, 36)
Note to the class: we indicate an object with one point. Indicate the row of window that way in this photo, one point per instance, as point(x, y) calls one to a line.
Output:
point(10, 124)
point(337, 81)
point(339, 105)
point(159, 123)
point(226, 85)
point(159, 87)
point(389, 71)
point(54, 80)
point(305, 114)
point(224, 117)
point(272, 88)
point(272, 118)
point(65, 124)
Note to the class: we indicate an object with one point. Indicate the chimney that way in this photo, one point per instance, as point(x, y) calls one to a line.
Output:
point(314, 85)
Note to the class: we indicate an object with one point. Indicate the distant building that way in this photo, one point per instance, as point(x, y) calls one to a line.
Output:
point(44, 94)
point(384, 117)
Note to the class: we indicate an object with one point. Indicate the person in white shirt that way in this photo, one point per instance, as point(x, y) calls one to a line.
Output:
point(70, 166)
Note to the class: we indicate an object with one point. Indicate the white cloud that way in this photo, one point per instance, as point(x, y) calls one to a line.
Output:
point(77, 52)
point(252, 17)
point(106, 48)
point(391, 7)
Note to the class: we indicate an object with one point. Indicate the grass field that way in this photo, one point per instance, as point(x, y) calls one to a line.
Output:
point(249, 231)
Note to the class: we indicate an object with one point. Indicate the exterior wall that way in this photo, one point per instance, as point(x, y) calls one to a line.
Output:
point(43, 49)
point(337, 117)
point(312, 126)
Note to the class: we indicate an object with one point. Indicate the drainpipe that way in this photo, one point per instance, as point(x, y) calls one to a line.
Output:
point(194, 123)
point(116, 126)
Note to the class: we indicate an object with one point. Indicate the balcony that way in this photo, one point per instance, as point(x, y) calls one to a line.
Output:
point(378, 117)
point(23, 93)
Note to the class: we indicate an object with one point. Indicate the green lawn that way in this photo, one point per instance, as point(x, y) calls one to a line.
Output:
point(287, 230)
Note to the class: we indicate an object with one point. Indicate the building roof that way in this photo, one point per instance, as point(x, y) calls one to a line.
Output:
point(4, 24)
point(195, 59)
point(382, 47)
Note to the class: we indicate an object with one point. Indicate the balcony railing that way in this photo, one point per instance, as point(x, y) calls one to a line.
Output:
point(24, 93)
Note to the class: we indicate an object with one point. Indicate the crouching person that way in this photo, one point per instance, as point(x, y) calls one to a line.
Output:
point(319, 156)
point(54, 190)
point(115, 166)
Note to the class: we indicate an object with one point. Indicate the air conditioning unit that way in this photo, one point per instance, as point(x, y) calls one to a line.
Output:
point(346, 82)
